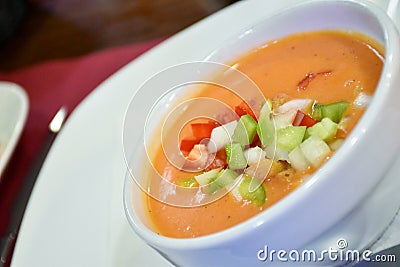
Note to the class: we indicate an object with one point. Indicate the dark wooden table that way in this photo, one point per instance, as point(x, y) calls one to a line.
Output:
point(54, 29)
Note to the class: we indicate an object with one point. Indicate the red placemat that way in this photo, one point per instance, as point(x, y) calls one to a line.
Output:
point(49, 86)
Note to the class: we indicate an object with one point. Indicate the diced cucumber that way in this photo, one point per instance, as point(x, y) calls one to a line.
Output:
point(298, 160)
point(336, 144)
point(221, 136)
point(254, 155)
point(257, 196)
point(235, 156)
point(315, 150)
point(206, 177)
point(224, 178)
point(290, 137)
point(276, 153)
point(245, 130)
point(189, 182)
point(267, 107)
point(325, 129)
point(265, 129)
point(334, 111)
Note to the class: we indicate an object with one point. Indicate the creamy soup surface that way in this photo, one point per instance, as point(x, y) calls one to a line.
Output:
point(327, 67)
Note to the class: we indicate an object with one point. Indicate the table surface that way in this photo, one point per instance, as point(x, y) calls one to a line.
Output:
point(53, 29)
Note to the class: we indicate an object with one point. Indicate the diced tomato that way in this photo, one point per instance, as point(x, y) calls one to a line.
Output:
point(203, 130)
point(256, 141)
point(218, 161)
point(197, 158)
point(198, 151)
point(243, 109)
point(188, 144)
point(200, 131)
point(302, 119)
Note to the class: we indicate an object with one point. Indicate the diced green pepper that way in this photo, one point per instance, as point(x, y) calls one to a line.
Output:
point(265, 126)
point(333, 111)
point(325, 129)
point(290, 137)
point(224, 178)
point(245, 130)
point(190, 182)
point(265, 130)
point(257, 196)
point(235, 156)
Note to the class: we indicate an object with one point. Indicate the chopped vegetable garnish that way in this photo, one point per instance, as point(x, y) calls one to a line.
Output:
point(283, 120)
point(302, 119)
point(334, 111)
point(190, 182)
point(298, 160)
point(203, 130)
point(276, 153)
point(235, 156)
point(266, 167)
point(267, 107)
point(287, 139)
point(221, 136)
point(325, 129)
point(243, 109)
point(265, 127)
point(315, 150)
point(198, 152)
point(197, 158)
point(236, 194)
point(257, 196)
point(290, 137)
point(245, 130)
point(224, 178)
point(336, 144)
point(254, 154)
point(217, 161)
point(293, 105)
point(206, 177)
point(188, 144)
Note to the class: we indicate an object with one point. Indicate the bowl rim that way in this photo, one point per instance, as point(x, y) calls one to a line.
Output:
point(319, 176)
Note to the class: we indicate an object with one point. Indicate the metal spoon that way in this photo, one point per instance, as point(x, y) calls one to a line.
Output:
point(18, 207)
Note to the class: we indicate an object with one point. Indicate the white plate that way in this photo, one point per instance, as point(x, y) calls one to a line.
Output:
point(75, 216)
point(13, 113)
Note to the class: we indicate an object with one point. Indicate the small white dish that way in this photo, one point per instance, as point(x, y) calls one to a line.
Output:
point(14, 106)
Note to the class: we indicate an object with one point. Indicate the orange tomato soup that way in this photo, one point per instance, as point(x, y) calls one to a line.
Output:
point(350, 64)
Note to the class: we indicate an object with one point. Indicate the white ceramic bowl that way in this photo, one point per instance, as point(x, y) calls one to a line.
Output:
point(353, 196)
